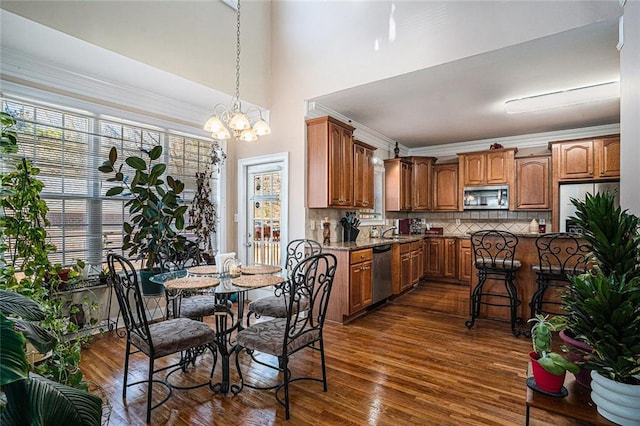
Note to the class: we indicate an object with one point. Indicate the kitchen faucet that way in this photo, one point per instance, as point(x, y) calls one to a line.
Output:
point(387, 230)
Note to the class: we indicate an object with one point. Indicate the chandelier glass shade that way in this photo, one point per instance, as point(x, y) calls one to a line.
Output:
point(227, 121)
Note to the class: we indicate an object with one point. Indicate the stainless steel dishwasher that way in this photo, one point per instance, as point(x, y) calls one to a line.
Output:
point(382, 273)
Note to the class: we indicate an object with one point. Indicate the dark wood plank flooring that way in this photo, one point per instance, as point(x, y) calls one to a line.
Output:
point(410, 362)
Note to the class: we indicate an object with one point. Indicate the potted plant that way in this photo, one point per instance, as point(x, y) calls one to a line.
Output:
point(603, 307)
point(31, 398)
point(549, 368)
point(156, 215)
point(203, 214)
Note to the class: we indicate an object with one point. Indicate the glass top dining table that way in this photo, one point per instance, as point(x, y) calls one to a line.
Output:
point(221, 287)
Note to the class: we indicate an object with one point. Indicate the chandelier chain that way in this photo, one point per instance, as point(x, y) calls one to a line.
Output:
point(238, 54)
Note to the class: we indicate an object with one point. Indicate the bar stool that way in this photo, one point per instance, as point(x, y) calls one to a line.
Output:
point(560, 256)
point(494, 258)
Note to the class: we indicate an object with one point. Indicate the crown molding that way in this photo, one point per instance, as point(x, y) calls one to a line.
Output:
point(362, 133)
point(534, 140)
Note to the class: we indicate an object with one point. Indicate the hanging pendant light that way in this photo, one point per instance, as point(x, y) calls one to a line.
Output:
point(226, 121)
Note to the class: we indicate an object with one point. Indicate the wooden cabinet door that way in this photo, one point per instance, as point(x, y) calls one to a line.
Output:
point(416, 266)
point(360, 286)
point(362, 176)
point(465, 259)
point(450, 258)
point(405, 271)
point(575, 160)
point(421, 183)
point(406, 175)
point(608, 157)
point(532, 183)
point(433, 256)
point(445, 188)
point(340, 166)
point(474, 169)
point(499, 166)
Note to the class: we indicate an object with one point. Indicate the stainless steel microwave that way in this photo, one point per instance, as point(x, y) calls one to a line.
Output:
point(486, 197)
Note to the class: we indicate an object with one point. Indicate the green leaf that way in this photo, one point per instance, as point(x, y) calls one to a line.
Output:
point(14, 364)
point(113, 155)
point(136, 163)
point(116, 190)
point(105, 168)
point(156, 152)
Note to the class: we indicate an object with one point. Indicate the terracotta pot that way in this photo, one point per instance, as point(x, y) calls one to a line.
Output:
point(544, 380)
point(577, 352)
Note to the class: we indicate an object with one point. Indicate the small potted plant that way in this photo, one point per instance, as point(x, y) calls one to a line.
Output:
point(549, 368)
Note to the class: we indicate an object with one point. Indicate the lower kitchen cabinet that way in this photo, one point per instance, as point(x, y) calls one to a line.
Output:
point(361, 280)
point(447, 259)
point(465, 260)
point(407, 265)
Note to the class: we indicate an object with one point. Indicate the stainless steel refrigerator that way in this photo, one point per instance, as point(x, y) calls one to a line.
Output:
point(578, 191)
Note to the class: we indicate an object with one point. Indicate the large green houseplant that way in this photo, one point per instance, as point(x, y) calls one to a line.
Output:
point(603, 307)
point(27, 274)
point(152, 232)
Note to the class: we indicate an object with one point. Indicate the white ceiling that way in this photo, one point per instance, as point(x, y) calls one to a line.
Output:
point(464, 100)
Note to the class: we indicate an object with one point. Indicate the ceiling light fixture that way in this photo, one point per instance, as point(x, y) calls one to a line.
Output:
point(226, 121)
point(580, 95)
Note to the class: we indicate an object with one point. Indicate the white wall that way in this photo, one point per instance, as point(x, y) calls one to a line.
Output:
point(317, 47)
point(630, 109)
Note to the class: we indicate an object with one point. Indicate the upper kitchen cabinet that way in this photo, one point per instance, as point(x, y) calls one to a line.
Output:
point(422, 182)
point(329, 163)
point(363, 175)
point(532, 183)
point(398, 190)
point(586, 159)
point(445, 186)
point(493, 167)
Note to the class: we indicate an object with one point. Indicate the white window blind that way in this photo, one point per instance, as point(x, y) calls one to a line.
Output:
point(68, 146)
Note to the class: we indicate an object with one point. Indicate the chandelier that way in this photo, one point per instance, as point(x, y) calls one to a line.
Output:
point(228, 120)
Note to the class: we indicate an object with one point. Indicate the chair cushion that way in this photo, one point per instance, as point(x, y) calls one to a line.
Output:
point(268, 337)
point(274, 306)
point(500, 263)
point(197, 307)
point(173, 336)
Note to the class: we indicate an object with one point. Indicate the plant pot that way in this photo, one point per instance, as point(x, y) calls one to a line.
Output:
point(63, 274)
point(577, 352)
point(149, 288)
point(546, 381)
point(616, 401)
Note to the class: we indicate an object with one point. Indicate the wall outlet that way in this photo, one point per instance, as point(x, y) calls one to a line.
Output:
point(458, 222)
point(312, 225)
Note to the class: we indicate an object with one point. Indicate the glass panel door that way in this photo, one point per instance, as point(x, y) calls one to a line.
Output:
point(264, 191)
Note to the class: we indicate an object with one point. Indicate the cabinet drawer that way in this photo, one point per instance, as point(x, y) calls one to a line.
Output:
point(405, 248)
point(364, 255)
point(416, 245)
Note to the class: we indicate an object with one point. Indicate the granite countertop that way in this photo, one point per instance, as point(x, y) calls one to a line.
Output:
point(373, 242)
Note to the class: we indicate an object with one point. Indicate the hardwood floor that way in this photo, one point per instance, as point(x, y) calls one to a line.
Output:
point(410, 362)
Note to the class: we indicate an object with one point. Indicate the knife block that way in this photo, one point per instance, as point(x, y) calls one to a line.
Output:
point(350, 234)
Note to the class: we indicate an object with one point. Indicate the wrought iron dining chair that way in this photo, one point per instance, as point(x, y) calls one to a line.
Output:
point(276, 306)
point(560, 256)
point(155, 340)
point(310, 284)
point(194, 305)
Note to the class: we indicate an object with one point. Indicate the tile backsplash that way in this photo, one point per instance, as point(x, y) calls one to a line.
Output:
point(451, 222)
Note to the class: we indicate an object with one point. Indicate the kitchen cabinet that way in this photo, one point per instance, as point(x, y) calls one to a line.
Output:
point(361, 280)
point(445, 187)
point(532, 183)
point(422, 171)
point(363, 175)
point(447, 259)
point(593, 158)
point(493, 167)
point(465, 260)
point(433, 252)
point(329, 163)
point(398, 175)
point(407, 265)
point(416, 262)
